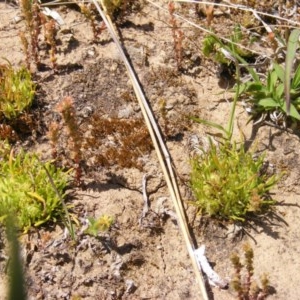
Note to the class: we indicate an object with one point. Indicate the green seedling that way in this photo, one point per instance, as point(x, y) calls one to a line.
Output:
point(212, 45)
point(269, 96)
point(17, 91)
point(243, 283)
point(101, 224)
point(279, 94)
point(25, 190)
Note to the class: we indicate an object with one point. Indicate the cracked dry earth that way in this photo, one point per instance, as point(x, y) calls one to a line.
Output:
point(143, 258)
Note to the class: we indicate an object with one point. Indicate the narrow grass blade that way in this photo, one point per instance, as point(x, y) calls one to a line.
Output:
point(291, 52)
point(17, 281)
point(210, 124)
point(240, 7)
point(69, 223)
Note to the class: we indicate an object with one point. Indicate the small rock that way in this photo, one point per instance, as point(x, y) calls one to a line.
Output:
point(130, 286)
point(126, 112)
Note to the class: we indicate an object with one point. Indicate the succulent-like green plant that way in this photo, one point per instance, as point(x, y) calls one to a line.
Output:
point(26, 192)
point(101, 224)
point(17, 90)
point(228, 184)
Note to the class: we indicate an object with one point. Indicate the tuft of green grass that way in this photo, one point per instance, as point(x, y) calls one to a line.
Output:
point(25, 190)
point(228, 184)
point(17, 91)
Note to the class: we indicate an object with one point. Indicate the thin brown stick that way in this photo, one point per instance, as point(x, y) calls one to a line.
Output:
point(161, 151)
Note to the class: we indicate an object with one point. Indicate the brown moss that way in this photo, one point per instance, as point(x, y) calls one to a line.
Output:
point(20, 127)
point(7, 133)
point(116, 141)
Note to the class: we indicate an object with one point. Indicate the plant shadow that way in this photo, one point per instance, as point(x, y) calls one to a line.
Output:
point(270, 145)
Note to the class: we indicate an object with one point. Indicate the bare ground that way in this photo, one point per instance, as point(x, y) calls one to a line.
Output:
point(148, 259)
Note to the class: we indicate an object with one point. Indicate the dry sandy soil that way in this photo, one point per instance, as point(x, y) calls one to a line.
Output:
point(148, 259)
